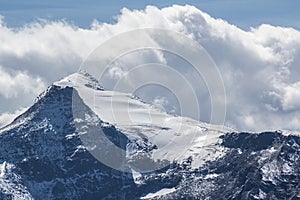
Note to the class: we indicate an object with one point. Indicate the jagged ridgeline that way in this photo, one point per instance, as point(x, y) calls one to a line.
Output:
point(43, 154)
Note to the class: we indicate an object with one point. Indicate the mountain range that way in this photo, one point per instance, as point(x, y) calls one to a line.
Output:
point(79, 141)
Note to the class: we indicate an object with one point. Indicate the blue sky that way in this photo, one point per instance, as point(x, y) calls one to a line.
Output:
point(242, 13)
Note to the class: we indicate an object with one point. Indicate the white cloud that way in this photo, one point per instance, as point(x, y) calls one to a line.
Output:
point(160, 103)
point(6, 118)
point(117, 72)
point(12, 86)
point(260, 67)
point(291, 97)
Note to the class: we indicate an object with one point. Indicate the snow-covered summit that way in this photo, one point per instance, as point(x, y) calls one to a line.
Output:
point(175, 137)
point(81, 78)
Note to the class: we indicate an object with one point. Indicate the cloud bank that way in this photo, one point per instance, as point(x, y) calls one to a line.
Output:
point(260, 67)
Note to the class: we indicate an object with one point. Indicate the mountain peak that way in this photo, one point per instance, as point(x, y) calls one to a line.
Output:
point(82, 78)
point(46, 153)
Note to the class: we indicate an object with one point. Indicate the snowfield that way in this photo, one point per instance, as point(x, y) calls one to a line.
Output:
point(176, 137)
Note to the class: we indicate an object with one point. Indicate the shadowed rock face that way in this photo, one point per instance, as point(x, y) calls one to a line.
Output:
point(264, 166)
point(47, 155)
point(42, 157)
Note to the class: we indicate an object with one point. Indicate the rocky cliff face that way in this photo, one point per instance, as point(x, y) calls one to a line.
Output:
point(42, 156)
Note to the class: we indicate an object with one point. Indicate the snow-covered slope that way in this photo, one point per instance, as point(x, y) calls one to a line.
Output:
point(175, 137)
point(43, 155)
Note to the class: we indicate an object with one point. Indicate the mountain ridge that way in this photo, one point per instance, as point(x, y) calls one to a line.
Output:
point(43, 156)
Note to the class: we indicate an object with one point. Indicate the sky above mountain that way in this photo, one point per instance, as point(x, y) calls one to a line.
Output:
point(256, 49)
point(244, 14)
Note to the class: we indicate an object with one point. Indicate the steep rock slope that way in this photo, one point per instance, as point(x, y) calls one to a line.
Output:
point(43, 156)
